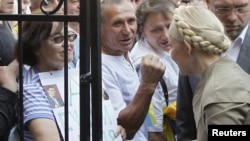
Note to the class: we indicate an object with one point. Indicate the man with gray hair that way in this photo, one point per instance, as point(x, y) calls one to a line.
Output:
point(129, 95)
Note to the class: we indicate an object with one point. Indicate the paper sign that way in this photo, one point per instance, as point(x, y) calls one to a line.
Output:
point(55, 79)
point(109, 122)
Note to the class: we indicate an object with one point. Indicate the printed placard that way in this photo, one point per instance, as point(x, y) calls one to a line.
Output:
point(54, 81)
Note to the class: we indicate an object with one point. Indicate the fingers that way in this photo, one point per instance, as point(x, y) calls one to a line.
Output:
point(150, 58)
point(123, 134)
point(120, 131)
point(152, 69)
point(153, 61)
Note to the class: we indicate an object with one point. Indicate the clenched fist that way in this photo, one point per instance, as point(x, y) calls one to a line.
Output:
point(152, 69)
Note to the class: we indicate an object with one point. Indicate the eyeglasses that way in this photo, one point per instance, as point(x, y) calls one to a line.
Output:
point(57, 39)
point(222, 11)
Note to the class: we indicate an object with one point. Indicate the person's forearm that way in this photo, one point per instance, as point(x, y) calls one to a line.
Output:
point(132, 117)
point(40, 131)
point(156, 136)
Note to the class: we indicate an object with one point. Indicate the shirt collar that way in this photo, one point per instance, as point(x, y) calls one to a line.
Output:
point(241, 37)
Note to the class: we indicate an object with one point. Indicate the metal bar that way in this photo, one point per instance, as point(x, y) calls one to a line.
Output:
point(84, 69)
point(89, 28)
point(66, 90)
point(15, 17)
point(19, 6)
point(96, 71)
point(20, 81)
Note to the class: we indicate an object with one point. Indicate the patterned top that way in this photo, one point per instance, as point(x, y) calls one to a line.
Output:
point(35, 102)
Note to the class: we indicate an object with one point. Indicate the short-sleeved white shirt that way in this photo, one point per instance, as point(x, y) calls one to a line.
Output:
point(121, 82)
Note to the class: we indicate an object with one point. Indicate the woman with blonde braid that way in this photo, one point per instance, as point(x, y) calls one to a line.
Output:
point(222, 96)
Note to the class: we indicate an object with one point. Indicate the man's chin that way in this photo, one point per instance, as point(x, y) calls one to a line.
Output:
point(233, 34)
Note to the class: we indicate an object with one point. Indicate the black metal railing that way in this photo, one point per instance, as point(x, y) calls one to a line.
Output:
point(90, 63)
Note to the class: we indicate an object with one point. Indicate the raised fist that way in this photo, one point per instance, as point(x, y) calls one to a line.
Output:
point(152, 69)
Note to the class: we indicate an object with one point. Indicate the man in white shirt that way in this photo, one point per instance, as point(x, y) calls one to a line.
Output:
point(129, 96)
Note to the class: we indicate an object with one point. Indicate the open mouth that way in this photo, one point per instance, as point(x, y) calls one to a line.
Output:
point(164, 43)
point(126, 41)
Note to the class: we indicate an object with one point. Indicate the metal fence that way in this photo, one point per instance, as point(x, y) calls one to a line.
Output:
point(90, 63)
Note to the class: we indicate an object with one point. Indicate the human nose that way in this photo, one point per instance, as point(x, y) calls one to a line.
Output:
point(70, 44)
point(164, 33)
point(232, 15)
point(126, 28)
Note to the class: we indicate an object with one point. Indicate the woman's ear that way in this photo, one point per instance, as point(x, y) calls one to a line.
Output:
point(188, 47)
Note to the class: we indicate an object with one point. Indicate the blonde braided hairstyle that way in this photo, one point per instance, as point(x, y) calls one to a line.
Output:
point(200, 28)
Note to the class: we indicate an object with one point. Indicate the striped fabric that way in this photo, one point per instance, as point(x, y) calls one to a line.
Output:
point(35, 102)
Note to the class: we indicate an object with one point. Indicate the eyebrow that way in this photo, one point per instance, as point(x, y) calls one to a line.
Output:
point(241, 5)
point(56, 33)
point(238, 5)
